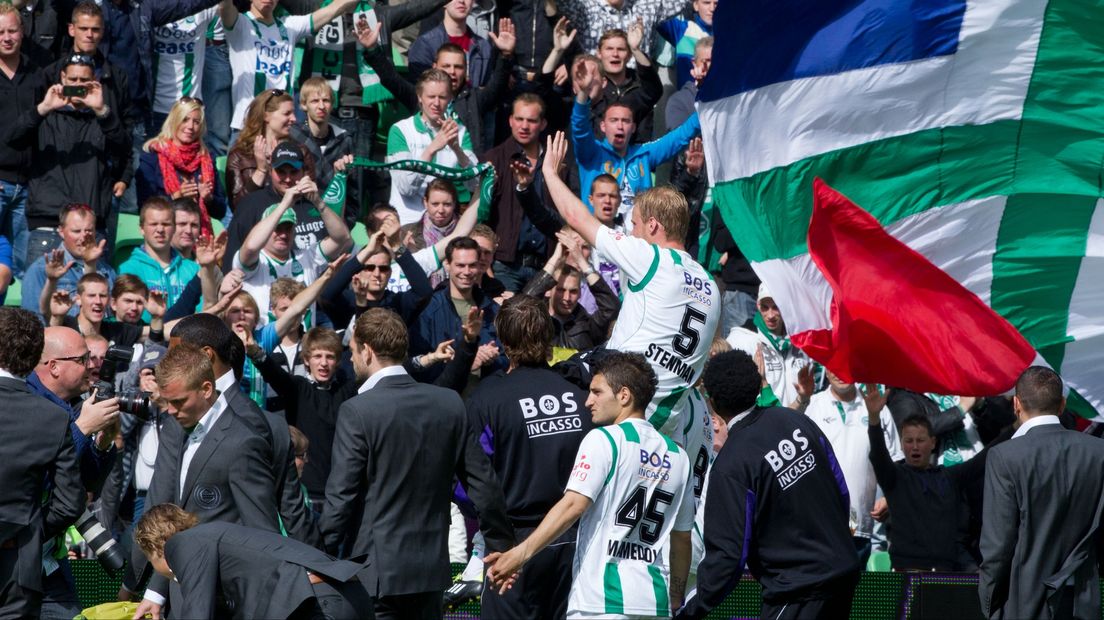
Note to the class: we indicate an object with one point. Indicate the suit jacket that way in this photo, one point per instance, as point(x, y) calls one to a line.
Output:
point(37, 447)
point(258, 574)
point(396, 451)
point(229, 479)
point(289, 493)
point(1041, 536)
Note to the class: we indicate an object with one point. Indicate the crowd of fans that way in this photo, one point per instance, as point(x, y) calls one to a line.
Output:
point(231, 128)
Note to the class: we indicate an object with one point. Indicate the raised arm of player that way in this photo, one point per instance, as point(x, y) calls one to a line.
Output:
point(571, 209)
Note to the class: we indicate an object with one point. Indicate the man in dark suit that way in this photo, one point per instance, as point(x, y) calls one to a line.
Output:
point(397, 448)
point(217, 467)
point(37, 447)
point(251, 573)
point(227, 354)
point(1044, 500)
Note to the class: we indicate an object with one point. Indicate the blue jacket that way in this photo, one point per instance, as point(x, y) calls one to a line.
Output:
point(596, 157)
point(94, 464)
point(677, 31)
point(439, 321)
point(424, 51)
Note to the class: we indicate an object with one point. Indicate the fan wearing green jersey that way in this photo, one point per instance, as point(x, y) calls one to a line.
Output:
point(630, 490)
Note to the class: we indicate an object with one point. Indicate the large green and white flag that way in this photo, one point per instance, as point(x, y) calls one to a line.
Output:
point(972, 130)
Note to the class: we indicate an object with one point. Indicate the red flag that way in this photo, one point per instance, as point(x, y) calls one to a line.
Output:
point(898, 319)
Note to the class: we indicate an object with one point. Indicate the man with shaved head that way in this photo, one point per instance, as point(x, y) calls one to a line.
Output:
point(61, 376)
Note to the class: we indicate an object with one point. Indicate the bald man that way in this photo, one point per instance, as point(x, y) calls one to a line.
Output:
point(61, 376)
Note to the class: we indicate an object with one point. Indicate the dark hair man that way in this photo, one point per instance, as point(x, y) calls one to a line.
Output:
point(38, 433)
point(775, 462)
point(380, 445)
point(1044, 497)
point(630, 488)
point(530, 421)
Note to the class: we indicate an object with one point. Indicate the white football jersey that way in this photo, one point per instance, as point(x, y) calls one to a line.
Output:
point(178, 52)
point(669, 314)
point(639, 481)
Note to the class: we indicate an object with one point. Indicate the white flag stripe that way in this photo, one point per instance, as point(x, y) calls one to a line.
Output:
point(984, 81)
point(1081, 371)
point(1087, 300)
point(960, 239)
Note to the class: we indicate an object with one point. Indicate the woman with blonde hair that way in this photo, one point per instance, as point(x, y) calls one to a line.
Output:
point(176, 163)
point(267, 123)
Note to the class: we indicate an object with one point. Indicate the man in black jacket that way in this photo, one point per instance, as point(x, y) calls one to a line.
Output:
point(530, 421)
point(639, 89)
point(777, 501)
point(83, 153)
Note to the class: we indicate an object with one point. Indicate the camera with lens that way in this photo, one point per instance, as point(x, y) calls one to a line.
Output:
point(100, 541)
point(132, 401)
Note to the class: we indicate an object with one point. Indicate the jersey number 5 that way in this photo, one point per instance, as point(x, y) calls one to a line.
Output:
point(637, 509)
point(686, 340)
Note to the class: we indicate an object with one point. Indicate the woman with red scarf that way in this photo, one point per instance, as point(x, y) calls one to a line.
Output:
point(175, 163)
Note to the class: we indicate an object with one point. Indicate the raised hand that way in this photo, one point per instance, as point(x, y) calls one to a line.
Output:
point(506, 39)
point(56, 267)
point(443, 353)
point(52, 101)
point(90, 251)
point(157, 303)
point(636, 34)
point(233, 280)
point(573, 245)
point(875, 400)
point(473, 324)
point(261, 152)
point(523, 171)
point(695, 157)
point(562, 38)
point(555, 154)
point(805, 384)
point(484, 354)
point(225, 299)
point(448, 132)
point(369, 37)
point(61, 302)
point(761, 364)
point(583, 75)
point(343, 162)
point(210, 250)
point(93, 98)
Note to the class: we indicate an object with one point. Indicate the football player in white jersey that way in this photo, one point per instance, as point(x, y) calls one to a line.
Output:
point(631, 488)
point(671, 307)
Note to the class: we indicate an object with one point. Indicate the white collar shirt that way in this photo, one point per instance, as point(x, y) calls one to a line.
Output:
point(1042, 420)
point(390, 371)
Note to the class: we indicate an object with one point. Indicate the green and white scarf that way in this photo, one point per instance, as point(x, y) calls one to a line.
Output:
point(329, 55)
point(456, 175)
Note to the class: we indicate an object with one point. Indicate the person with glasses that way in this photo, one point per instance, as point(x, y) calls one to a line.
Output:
point(176, 163)
point(61, 377)
point(62, 265)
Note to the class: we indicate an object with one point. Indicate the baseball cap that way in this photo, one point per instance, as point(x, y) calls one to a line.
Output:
point(287, 217)
point(287, 153)
point(764, 292)
point(152, 356)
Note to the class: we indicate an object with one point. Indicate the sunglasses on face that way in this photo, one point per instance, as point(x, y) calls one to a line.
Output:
point(372, 268)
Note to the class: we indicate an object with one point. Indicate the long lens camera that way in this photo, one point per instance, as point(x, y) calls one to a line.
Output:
point(100, 541)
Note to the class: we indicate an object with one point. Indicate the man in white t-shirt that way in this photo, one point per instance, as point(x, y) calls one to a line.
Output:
point(262, 46)
point(268, 252)
point(178, 60)
point(840, 412)
point(631, 488)
point(671, 306)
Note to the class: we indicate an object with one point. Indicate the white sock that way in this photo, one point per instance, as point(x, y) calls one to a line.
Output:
point(474, 570)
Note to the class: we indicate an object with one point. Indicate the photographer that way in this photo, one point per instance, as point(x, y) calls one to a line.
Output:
point(60, 377)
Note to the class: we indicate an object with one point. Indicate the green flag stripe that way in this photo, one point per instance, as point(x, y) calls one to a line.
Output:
point(1057, 148)
point(1077, 403)
point(615, 597)
point(659, 586)
point(1040, 245)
